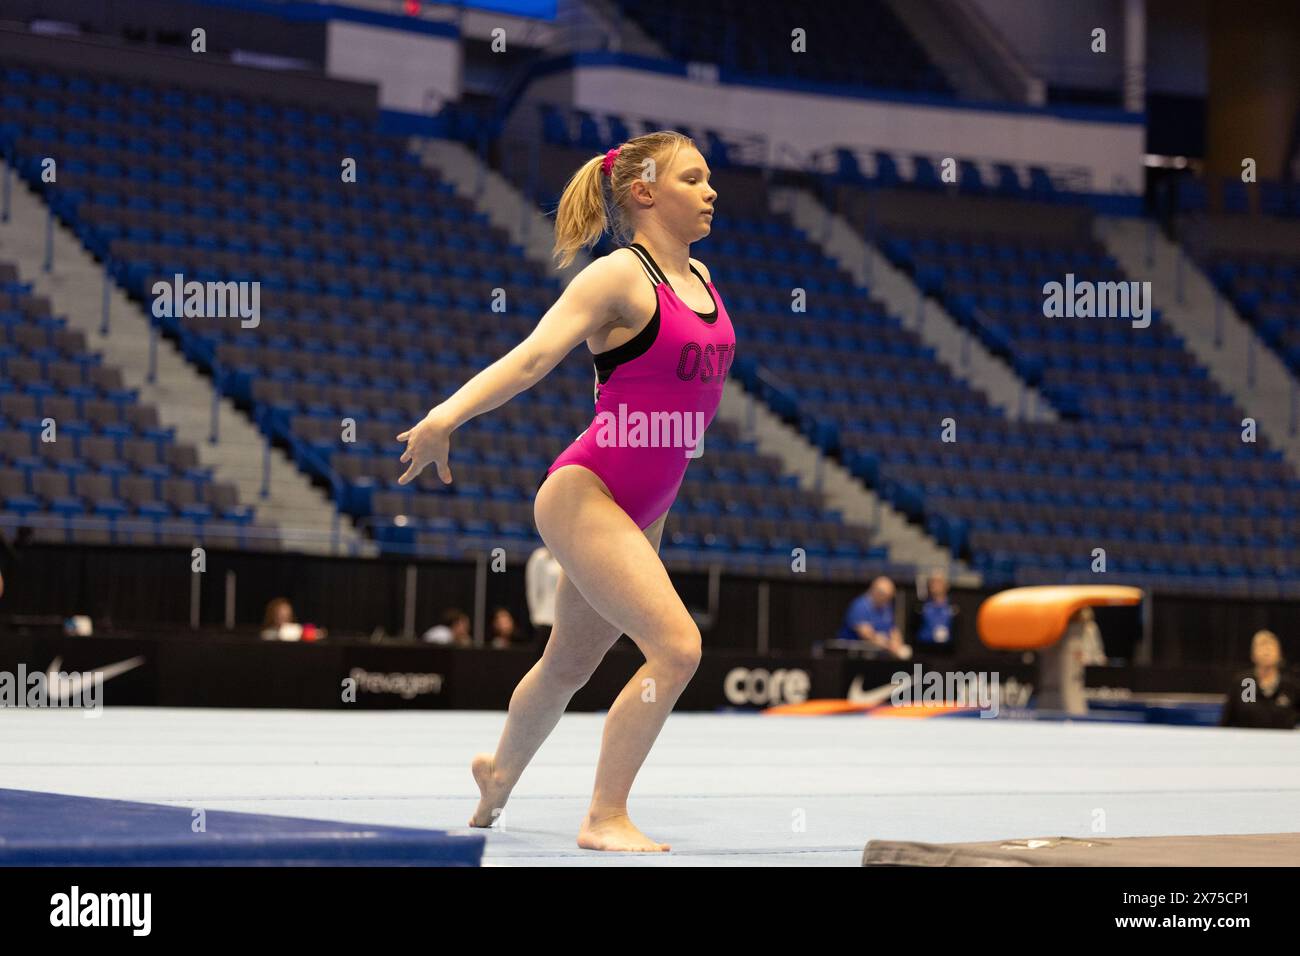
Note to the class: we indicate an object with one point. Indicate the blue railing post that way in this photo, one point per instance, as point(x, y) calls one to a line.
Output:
point(338, 507)
point(153, 353)
point(481, 185)
point(266, 425)
point(215, 435)
point(266, 467)
point(4, 212)
point(49, 238)
point(104, 308)
point(534, 187)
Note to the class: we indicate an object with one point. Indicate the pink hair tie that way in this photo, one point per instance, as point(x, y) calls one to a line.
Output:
point(608, 164)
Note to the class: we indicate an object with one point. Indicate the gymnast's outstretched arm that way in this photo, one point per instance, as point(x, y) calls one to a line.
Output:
point(589, 303)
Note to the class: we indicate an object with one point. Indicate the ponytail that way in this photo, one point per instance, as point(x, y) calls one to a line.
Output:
point(587, 209)
point(581, 216)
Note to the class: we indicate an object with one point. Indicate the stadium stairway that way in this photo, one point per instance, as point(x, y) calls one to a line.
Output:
point(182, 395)
point(1267, 395)
point(961, 352)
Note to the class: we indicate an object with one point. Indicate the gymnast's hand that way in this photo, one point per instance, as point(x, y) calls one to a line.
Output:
point(429, 441)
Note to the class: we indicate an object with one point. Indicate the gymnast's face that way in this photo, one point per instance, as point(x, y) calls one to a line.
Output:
point(682, 197)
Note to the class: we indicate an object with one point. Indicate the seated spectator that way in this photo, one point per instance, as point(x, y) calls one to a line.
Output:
point(870, 618)
point(1264, 696)
point(279, 623)
point(278, 616)
point(453, 629)
point(504, 632)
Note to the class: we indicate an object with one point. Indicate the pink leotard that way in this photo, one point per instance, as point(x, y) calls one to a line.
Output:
point(655, 395)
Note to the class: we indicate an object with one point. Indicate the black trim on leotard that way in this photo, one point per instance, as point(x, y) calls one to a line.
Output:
point(640, 343)
point(709, 317)
point(652, 270)
point(634, 347)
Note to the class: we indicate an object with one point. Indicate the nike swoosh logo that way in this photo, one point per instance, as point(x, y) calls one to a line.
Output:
point(61, 687)
point(877, 695)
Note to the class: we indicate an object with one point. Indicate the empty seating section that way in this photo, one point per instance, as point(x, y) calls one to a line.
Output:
point(82, 460)
point(885, 170)
point(1148, 461)
point(1270, 197)
point(1255, 262)
point(860, 44)
point(379, 298)
point(376, 302)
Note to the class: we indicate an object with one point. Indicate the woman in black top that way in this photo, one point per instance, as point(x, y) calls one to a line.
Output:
point(1265, 696)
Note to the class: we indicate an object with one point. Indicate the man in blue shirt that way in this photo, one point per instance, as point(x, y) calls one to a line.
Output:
point(870, 618)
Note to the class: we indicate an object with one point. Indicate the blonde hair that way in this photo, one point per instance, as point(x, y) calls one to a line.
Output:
point(587, 209)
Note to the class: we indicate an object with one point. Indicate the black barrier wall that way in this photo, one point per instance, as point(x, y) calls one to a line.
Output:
point(212, 670)
point(217, 671)
point(127, 587)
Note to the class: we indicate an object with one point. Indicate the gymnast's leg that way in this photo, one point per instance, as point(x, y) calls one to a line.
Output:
point(577, 644)
point(620, 574)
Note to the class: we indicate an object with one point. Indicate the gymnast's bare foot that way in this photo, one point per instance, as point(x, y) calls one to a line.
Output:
point(614, 831)
point(492, 789)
